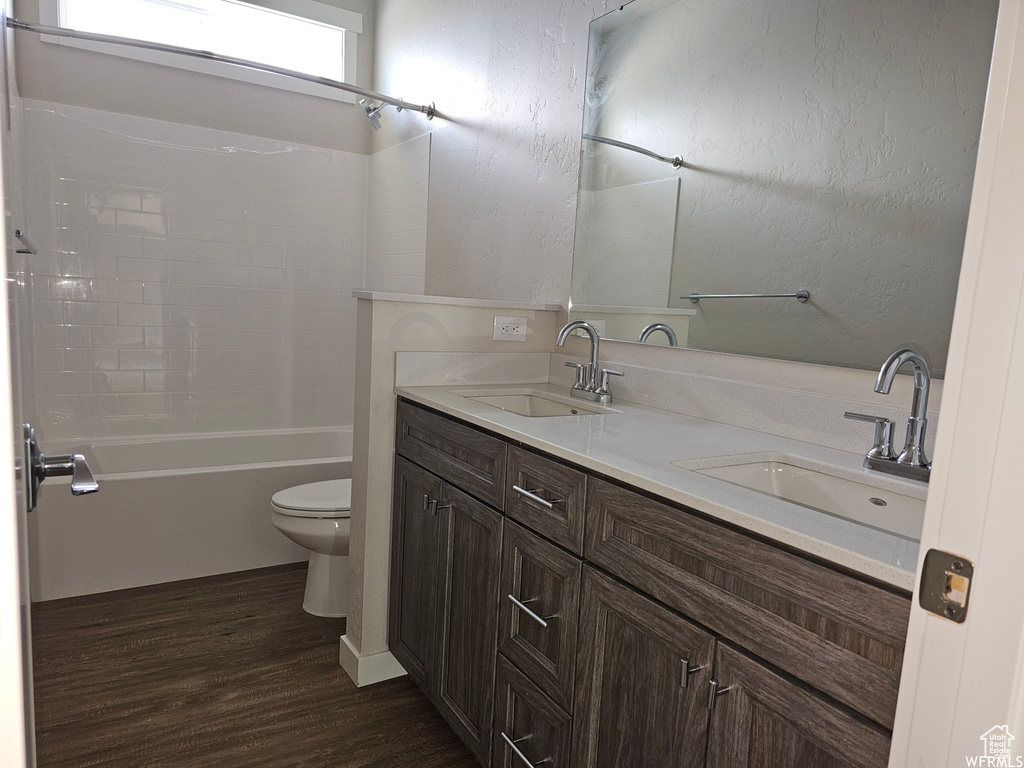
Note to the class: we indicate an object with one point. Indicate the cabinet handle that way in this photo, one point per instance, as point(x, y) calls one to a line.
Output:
point(518, 753)
point(532, 496)
point(714, 692)
point(429, 505)
point(686, 671)
point(522, 607)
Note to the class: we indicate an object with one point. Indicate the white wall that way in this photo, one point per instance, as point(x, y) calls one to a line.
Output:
point(188, 280)
point(65, 75)
point(508, 78)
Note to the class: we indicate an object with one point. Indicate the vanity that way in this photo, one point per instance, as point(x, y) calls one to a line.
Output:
point(569, 594)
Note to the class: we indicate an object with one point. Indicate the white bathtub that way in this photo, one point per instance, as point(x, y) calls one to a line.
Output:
point(175, 508)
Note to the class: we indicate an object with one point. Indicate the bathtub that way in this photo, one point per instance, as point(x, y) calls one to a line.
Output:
point(175, 507)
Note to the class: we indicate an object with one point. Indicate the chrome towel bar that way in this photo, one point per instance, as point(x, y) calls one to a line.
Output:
point(802, 296)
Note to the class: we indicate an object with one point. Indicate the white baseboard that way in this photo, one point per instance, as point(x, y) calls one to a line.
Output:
point(367, 670)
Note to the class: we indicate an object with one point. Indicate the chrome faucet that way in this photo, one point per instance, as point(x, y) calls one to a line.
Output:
point(912, 461)
point(589, 385)
point(646, 332)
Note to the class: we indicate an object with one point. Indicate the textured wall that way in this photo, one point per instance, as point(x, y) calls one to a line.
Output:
point(508, 76)
point(836, 146)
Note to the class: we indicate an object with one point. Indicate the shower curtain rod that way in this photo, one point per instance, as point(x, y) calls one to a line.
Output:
point(676, 161)
point(427, 109)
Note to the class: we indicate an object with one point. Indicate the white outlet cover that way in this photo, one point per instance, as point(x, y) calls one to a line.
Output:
point(508, 328)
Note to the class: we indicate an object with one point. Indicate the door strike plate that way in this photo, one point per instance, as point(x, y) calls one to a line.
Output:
point(946, 585)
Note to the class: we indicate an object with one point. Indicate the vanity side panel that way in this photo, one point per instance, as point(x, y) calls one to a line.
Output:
point(837, 633)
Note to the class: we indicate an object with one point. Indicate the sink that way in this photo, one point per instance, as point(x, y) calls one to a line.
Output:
point(821, 488)
point(535, 403)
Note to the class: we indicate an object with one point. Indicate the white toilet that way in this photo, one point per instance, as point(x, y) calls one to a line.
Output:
point(316, 516)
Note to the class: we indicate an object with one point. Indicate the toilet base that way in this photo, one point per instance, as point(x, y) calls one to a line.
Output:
point(326, 586)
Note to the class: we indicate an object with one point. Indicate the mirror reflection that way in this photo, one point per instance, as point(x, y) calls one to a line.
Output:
point(805, 166)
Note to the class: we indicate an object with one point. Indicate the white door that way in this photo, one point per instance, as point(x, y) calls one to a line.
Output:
point(961, 681)
point(17, 729)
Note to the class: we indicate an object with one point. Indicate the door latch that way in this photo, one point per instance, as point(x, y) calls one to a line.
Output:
point(946, 585)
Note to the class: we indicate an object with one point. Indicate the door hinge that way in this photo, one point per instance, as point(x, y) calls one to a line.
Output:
point(946, 585)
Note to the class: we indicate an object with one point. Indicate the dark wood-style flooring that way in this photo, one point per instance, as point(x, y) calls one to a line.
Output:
point(226, 671)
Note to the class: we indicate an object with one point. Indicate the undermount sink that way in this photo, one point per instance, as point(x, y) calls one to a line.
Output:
point(821, 490)
point(535, 403)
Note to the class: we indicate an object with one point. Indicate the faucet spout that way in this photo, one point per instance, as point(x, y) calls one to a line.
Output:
point(666, 329)
point(913, 451)
point(595, 340)
point(922, 379)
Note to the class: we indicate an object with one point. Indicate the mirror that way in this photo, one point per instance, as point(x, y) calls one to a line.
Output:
point(827, 147)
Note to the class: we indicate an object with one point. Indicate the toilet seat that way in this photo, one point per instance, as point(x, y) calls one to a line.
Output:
point(330, 498)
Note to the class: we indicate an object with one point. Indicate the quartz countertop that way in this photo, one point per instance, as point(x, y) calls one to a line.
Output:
point(637, 445)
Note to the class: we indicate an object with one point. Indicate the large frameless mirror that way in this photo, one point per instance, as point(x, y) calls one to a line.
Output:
point(780, 178)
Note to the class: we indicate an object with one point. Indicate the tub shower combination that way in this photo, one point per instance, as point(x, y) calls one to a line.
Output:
point(176, 507)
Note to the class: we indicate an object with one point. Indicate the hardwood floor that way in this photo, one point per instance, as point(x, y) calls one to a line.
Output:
point(227, 671)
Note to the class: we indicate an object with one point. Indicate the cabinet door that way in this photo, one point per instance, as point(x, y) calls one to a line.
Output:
point(414, 549)
point(529, 728)
point(470, 562)
point(762, 720)
point(641, 682)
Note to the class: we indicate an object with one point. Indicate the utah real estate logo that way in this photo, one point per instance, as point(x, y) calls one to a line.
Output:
point(997, 750)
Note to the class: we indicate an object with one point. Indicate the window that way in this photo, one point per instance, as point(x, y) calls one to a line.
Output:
point(302, 35)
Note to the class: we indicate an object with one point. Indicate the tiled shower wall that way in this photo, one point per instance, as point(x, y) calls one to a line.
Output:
point(396, 237)
point(188, 279)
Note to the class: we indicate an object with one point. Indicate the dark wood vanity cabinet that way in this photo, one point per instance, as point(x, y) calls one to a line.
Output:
point(445, 567)
point(412, 619)
point(761, 719)
point(642, 682)
point(560, 619)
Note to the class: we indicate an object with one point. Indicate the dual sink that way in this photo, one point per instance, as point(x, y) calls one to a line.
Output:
point(822, 487)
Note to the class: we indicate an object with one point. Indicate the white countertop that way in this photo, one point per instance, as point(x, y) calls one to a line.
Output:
point(637, 445)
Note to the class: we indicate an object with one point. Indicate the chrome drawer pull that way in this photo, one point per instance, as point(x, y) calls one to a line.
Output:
point(532, 496)
point(516, 751)
point(522, 607)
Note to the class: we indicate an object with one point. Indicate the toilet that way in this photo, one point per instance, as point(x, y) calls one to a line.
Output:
point(317, 516)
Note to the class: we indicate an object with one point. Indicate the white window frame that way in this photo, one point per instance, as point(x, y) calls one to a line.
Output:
point(350, 21)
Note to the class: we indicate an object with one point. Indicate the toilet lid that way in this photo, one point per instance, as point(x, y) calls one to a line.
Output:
point(315, 499)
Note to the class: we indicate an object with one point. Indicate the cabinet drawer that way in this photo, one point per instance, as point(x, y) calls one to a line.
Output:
point(527, 721)
point(546, 496)
point(841, 635)
point(466, 457)
point(540, 592)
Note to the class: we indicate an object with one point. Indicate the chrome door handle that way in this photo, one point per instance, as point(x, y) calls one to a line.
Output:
point(41, 466)
point(532, 496)
point(518, 752)
point(74, 464)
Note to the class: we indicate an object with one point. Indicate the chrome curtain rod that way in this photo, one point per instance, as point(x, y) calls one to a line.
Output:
point(676, 161)
point(802, 296)
point(426, 109)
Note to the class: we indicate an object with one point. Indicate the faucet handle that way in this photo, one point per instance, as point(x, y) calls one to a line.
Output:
point(605, 373)
point(882, 449)
point(581, 374)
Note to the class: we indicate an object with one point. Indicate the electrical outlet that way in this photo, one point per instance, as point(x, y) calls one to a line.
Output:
point(509, 328)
